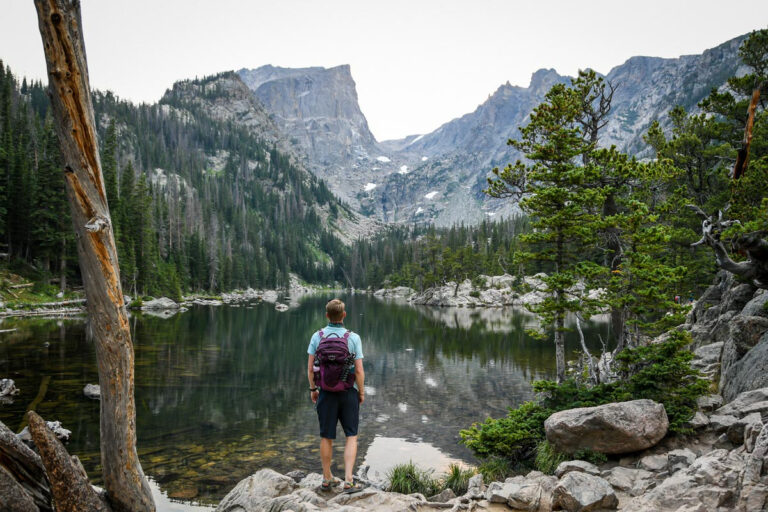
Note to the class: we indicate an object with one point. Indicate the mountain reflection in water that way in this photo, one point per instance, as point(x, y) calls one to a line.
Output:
point(222, 392)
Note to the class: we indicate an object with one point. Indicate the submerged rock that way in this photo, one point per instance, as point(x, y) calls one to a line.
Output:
point(92, 391)
point(7, 390)
point(614, 428)
point(60, 432)
point(281, 307)
point(160, 303)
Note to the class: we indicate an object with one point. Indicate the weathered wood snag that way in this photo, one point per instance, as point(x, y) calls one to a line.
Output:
point(61, 30)
point(25, 468)
point(70, 487)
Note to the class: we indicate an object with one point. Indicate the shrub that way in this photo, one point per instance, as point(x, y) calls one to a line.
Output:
point(409, 478)
point(548, 457)
point(514, 437)
point(659, 372)
point(457, 479)
point(496, 469)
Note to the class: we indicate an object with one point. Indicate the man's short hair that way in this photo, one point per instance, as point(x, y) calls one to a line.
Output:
point(335, 310)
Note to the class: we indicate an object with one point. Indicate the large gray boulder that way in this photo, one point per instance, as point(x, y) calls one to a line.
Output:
point(748, 373)
point(581, 492)
point(745, 401)
point(745, 333)
point(632, 481)
point(757, 306)
point(615, 428)
point(251, 493)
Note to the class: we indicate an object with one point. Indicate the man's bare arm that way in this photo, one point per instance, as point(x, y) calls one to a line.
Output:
point(360, 379)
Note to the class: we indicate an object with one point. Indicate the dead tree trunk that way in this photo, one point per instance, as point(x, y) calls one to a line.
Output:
point(61, 31)
point(70, 487)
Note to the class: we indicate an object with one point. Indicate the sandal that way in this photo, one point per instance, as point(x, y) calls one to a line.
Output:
point(352, 487)
point(332, 482)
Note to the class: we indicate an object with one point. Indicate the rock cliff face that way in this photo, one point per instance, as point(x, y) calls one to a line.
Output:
point(461, 153)
point(439, 177)
point(317, 109)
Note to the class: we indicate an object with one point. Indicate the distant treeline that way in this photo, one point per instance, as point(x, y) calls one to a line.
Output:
point(180, 224)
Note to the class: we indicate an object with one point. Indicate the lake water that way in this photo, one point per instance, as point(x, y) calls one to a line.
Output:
point(222, 391)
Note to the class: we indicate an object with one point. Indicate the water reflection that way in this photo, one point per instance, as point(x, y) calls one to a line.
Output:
point(222, 392)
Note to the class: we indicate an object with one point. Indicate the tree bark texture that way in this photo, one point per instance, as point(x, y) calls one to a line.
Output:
point(70, 488)
point(60, 28)
point(24, 467)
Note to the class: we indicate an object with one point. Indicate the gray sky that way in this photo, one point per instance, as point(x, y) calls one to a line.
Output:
point(417, 63)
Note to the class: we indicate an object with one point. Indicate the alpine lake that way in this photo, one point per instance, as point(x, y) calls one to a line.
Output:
point(222, 392)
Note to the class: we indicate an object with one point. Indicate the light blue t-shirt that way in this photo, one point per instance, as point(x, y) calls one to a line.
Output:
point(354, 344)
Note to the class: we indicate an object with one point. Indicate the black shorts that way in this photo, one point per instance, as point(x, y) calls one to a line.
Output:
point(343, 406)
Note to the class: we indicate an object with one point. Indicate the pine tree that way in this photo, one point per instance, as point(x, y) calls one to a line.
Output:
point(562, 209)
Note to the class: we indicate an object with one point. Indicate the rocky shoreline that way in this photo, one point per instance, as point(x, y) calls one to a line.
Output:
point(494, 292)
point(722, 466)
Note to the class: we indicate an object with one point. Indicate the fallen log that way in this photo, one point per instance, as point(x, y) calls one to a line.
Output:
point(25, 467)
point(13, 497)
point(17, 286)
point(71, 490)
point(58, 304)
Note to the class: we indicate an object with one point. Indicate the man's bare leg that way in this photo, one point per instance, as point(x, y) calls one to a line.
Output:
point(326, 451)
point(350, 454)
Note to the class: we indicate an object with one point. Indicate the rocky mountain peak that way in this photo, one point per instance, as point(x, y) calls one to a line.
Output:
point(542, 80)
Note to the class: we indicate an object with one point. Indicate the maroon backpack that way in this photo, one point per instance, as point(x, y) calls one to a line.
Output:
point(334, 364)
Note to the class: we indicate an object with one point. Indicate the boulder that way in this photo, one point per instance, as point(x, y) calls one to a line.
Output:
point(375, 499)
point(709, 403)
point(159, 303)
point(475, 486)
point(576, 465)
point(745, 333)
point(631, 481)
point(699, 421)
point(735, 432)
point(654, 462)
point(743, 401)
point(720, 423)
point(751, 431)
point(498, 492)
point(251, 493)
point(710, 483)
point(615, 428)
point(748, 373)
point(680, 459)
point(444, 496)
point(535, 494)
point(757, 306)
point(92, 391)
point(737, 296)
point(581, 492)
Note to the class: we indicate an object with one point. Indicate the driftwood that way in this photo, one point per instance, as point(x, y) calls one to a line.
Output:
point(70, 488)
point(59, 304)
point(13, 497)
point(62, 36)
point(25, 467)
point(54, 313)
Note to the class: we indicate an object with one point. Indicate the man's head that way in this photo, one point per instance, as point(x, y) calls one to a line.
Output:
point(334, 310)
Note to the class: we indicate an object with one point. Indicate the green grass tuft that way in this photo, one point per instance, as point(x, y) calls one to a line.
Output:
point(409, 478)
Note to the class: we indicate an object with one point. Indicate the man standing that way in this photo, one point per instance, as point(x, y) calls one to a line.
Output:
point(337, 406)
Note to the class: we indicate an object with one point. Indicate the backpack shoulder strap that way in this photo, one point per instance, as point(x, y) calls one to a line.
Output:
point(346, 334)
